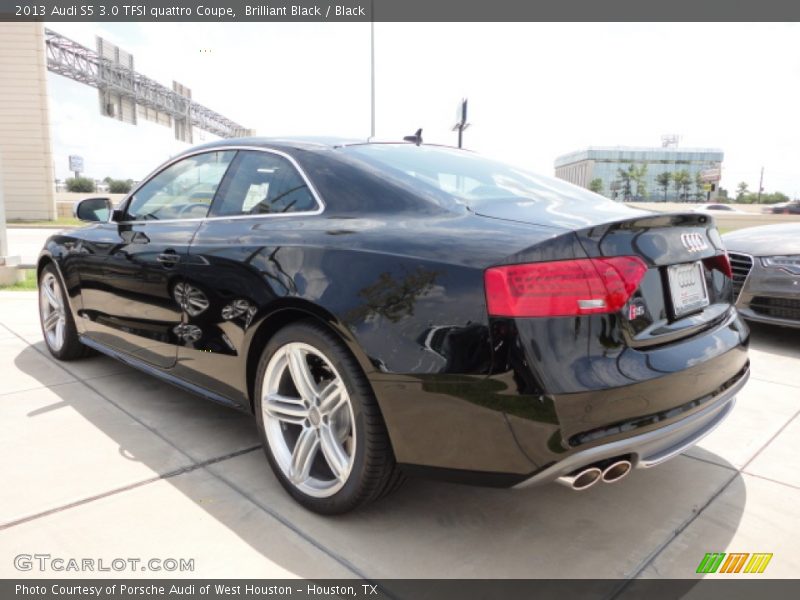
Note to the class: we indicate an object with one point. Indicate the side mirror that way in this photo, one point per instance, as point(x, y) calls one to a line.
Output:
point(93, 209)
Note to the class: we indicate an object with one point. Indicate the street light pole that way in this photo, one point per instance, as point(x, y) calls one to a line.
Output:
point(760, 185)
point(372, 68)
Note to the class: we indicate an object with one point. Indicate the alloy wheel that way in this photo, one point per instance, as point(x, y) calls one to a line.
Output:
point(51, 311)
point(308, 419)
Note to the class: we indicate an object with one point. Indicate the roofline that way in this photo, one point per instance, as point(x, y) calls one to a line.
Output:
point(304, 143)
point(583, 153)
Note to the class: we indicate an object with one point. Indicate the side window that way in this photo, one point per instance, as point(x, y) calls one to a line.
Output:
point(261, 183)
point(181, 191)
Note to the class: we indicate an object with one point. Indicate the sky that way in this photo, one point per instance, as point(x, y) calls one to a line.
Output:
point(535, 90)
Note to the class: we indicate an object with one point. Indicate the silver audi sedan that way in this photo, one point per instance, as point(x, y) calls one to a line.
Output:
point(766, 272)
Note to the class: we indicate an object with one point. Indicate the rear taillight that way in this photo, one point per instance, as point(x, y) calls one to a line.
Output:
point(563, 288)
point(721, 263)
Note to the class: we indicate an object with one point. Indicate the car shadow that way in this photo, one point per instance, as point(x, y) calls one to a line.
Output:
point(432, 529)
point(775, 339)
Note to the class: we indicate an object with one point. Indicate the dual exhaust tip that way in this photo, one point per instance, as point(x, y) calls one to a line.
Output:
point(584, 478)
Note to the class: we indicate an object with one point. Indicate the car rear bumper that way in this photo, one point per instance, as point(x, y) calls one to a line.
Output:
point(653, 447)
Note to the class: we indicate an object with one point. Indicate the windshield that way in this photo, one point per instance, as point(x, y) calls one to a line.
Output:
point(468, 177)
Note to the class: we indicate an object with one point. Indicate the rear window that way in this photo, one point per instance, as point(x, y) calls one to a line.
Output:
point(467, 177)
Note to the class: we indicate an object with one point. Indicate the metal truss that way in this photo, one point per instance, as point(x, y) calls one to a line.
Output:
point(71, 59)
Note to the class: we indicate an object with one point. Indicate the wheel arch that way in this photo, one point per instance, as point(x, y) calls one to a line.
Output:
point(44, 260)
point(292, 312)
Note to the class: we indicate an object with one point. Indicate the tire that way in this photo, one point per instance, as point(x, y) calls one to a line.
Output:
point(339, 431)
point(55, 317)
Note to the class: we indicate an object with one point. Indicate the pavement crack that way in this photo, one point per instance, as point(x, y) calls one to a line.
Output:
point(674, 535)
point(191, 467)
point(174, 473)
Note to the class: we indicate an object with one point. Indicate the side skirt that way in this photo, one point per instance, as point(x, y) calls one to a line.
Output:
point(158, 373)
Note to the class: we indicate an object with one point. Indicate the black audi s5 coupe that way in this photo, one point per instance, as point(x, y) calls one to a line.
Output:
point(394, 309)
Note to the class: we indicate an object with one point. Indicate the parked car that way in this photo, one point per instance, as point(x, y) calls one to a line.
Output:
point(720, 208)
point(792, 207)
point(386, 309)
point(766, 272)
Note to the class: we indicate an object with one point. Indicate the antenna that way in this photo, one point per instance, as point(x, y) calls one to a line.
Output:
point(414, 139)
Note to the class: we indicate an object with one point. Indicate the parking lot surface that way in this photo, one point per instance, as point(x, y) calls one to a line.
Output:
point(100, 461)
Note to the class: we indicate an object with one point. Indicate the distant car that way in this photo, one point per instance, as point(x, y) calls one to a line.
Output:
point(766, 272)
point(792, 207)
point(712, 208)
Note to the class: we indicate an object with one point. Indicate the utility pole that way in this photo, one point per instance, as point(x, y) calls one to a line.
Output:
point(760, 185)
point(372, 68)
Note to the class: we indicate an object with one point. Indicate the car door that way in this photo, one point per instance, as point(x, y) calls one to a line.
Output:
point(244, 257)
point(137, 302)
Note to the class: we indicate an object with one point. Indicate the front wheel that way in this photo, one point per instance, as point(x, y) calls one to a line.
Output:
point(58, 326)
point(320, 424)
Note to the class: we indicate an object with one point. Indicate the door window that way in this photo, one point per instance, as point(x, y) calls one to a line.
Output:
point(181, 191)
point(261, 183)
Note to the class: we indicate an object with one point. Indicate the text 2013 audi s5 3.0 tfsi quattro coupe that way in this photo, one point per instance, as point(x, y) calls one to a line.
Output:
point(394, 308)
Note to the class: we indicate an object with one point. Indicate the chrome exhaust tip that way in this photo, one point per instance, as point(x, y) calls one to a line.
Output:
point(582, 479)
point(616, 471)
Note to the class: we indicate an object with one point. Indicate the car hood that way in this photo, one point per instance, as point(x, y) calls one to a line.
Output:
point(767, 240)
point(559, 211)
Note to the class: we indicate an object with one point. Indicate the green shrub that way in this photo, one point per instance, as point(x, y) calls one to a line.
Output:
point(119, 186)
point(80, 184)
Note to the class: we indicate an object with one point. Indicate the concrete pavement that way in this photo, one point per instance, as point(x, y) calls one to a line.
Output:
point(27, 242)
point(101, 461)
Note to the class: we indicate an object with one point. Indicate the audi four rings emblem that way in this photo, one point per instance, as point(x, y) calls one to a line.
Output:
point(694, 242)
point(687, 277)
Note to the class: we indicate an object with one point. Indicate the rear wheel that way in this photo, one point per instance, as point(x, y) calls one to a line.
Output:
point(58, 326)
point(320, 424)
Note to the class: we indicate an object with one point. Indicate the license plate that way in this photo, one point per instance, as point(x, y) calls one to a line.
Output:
point(687, 284)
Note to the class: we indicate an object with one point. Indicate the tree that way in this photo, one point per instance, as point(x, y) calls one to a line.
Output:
point(119, 186)
point(596, 185)
point(663, 180)
point(80, 184)
point(773, 198)
point(633, 177)
point(741, 190)
point(625, 176)
point(681, 181)
point(640, 178)
point(699, 192)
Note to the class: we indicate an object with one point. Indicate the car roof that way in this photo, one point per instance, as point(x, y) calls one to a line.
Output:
point(309, 143)
point(301, 142)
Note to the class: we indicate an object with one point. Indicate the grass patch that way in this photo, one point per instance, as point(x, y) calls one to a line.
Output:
point(26, 285)
point(60, 222)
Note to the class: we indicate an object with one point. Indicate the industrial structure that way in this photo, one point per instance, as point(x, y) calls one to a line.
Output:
point(640, 173)
point(122, 89)
point(27, 52)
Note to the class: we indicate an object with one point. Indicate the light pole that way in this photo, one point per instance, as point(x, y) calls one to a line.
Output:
point(372, 68)
point(461, 124)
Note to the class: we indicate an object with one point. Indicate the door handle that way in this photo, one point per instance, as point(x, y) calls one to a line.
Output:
point(168, 258)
